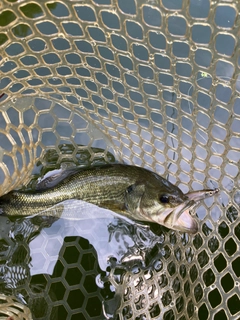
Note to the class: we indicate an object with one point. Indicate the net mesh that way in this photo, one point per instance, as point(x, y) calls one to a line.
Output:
point(12, 309)
point(156, 84)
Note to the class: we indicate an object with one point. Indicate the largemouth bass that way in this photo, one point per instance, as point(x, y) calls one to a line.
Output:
point(129, 190)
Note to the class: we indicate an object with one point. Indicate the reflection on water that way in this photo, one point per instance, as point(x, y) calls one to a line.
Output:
point(114, 238)
point(35, 244)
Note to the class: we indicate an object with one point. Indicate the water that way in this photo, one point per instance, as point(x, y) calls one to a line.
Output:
point(45, 260)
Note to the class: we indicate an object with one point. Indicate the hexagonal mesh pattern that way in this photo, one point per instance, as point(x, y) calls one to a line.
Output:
point(12, 309)
point(156, 84)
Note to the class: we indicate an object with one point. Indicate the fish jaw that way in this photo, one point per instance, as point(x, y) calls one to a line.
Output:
point(186, 223)
point(178, 218)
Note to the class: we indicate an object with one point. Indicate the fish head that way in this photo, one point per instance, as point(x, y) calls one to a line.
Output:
point(157, 200)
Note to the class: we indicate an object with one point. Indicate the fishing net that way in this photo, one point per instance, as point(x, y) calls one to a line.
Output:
point(151, 83)
point(12, 309)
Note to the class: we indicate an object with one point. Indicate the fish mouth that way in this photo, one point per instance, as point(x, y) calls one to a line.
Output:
point(179, 218)
point(182, 220)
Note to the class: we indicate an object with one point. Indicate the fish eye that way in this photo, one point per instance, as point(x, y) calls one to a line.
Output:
point(130, 189)
point(163, 198)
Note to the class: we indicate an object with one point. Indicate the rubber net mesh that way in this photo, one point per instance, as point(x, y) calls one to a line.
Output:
point(152, 83)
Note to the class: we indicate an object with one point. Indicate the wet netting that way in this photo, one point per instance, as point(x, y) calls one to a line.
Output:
point(151, 83)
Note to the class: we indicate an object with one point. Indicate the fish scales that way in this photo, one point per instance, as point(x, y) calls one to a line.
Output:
point(133, 191)
point(93, 185)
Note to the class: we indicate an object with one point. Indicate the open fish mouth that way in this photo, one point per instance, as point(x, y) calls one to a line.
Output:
point(182, 220)
point(180, 216)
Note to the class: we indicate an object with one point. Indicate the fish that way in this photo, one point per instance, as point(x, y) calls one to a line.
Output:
point(135, 192)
